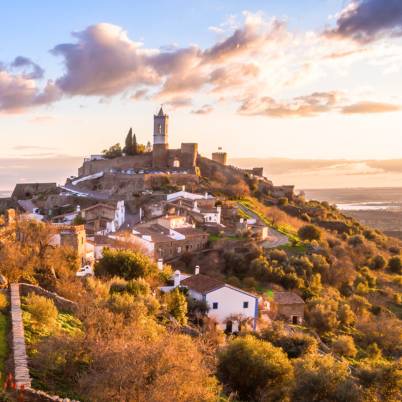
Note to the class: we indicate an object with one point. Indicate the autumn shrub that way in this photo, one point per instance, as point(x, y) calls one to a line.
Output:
point(255, 370)
point(377, 262)
point(3, 301)
point(395, 265)
point(43, 310)
point(344, 346)
point(309, 232)
point(322, 378)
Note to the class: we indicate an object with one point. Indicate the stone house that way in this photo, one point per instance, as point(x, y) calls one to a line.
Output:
point(166, 243)
point(288, 306)
point(104, 218)
point(71, 236)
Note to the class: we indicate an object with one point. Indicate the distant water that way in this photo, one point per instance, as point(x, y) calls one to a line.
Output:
point(360, 199)
point(370, 206)
point(5, 194)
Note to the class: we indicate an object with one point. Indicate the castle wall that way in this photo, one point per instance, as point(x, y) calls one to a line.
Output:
point(220, 157)
point(123, 162)
point(160, 156)
point(188, 155)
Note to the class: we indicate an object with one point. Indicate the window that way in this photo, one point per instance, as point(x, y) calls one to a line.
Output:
point(215, 306)
point(245, 304)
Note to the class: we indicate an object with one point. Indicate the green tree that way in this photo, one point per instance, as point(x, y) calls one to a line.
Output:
point(126, 264)
point(134, 146)
point(177, 307)
point(309, 232)
point(255, 369)
point(113, 152)
point(128, 149)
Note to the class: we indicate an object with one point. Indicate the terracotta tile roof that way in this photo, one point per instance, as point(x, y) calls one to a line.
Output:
point(287, 298)
point(202, 283)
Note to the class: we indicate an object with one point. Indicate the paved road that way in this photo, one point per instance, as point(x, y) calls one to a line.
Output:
point(97, 195)
point(275, 238)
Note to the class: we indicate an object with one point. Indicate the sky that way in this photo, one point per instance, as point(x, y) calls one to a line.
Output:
point(277, 80)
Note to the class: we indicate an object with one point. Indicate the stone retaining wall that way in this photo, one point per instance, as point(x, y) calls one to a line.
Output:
point(60, 302)
point(21, 370)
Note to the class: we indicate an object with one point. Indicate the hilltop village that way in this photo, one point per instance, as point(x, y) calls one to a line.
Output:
point(150, 253)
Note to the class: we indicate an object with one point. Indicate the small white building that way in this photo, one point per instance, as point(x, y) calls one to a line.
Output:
point(188, 196)
point(210, 214)
point(228, 306)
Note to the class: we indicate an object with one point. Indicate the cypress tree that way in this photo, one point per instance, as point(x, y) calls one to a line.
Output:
point(134, 146)
point(128, 149)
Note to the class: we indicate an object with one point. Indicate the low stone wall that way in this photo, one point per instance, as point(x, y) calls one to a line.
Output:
point(21, 370)
point(60, 302)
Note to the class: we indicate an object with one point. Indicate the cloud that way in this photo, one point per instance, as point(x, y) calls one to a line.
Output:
point(250, 63)
point(104, 61)
point(179, 102)
point(33, 147)
point(365, 21)
point(302, 106)
point(37, 71)
point(140, 94)
point(312, 105)
point(205, 109)
point(370, 107)
point(248, 39)
point(19, 92)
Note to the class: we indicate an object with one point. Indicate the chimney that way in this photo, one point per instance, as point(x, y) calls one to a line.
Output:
point(197, 270)
point(159, 264)
point(177, 278)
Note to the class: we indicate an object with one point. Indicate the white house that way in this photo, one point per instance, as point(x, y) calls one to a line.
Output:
point(228, 306)
point(188, 196)
point(210, 214)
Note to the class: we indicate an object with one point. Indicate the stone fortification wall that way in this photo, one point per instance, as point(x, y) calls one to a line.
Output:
point(123, 162)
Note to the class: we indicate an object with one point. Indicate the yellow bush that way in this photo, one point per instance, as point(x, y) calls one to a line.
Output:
point(43, 311)
point(3, 301)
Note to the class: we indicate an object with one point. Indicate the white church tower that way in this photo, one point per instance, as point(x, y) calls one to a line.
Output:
point(161, 121)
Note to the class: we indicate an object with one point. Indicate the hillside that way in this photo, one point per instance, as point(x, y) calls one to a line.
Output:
point(123, 340)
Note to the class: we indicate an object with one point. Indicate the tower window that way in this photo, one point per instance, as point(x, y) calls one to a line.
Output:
point(160, 128)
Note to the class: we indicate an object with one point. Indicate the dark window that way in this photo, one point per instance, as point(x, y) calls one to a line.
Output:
point(215, 306)
point(245, 304)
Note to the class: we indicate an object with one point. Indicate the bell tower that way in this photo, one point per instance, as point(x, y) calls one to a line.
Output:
point(160, 150)
point(161, 121)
